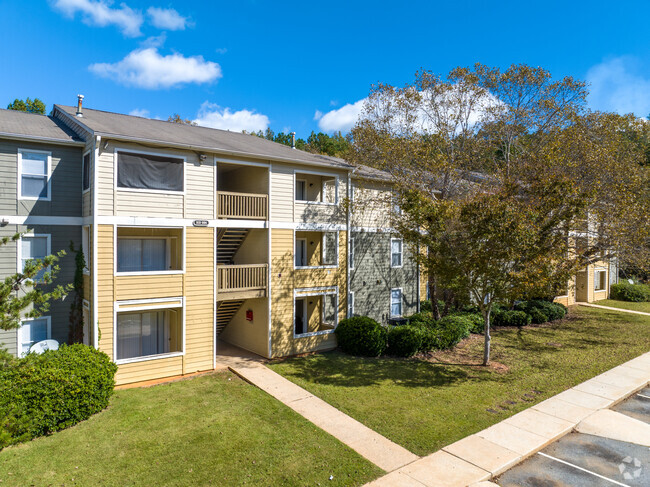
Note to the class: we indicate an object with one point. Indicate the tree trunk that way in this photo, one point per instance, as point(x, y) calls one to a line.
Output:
point(433, 295)
point(486, 348)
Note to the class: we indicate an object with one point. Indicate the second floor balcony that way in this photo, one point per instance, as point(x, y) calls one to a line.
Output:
point(235, 205)
point(245, 281)
point(242, 192)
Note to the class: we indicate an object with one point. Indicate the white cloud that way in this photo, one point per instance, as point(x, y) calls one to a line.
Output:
point(318, 115)
point(147, 68)
point(342, 119)
point(221, 50)
point(100, 13)
point(139, 112)
point(167, 18)
point(214, 116)
point(334, 103)
point(619, 85)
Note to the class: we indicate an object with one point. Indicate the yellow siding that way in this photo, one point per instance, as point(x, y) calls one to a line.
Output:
point(149, 370)
point(283, 282)
point(86, 279)
point(249, 335)
point(199, 317)
point(148, 287)
point(105, 288)
point(282, 193)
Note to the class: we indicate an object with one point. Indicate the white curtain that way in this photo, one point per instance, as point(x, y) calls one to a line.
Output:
point(136, 255)
point(142, 334)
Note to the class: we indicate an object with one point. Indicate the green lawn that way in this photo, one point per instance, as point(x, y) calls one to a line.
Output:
point(424, 406)
point(213, 430)
point(645, 307)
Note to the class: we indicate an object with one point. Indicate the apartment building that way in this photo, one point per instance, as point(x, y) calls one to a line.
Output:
point(195, 237)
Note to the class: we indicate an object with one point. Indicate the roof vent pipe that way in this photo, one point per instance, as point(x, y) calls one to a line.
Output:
point(293, 140)
point(79, 107)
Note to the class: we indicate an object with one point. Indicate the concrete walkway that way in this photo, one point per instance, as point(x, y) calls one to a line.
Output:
point(590, 305)
point(369, 444)
point(478, 458)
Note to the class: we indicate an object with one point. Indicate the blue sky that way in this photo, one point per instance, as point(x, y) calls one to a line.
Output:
point(304, 66)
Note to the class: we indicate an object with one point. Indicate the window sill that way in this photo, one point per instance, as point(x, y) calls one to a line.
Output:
point(153, 191)
point(307, 202)
point(315, 267)
point(314, 333)
point(31, 198)
point(149, 273)
point(148, 357)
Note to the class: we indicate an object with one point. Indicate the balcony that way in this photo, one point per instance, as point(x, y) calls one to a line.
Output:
point(246, 281)
point(249, 206)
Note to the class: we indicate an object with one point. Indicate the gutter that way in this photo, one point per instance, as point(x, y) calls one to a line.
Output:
point(34, 138)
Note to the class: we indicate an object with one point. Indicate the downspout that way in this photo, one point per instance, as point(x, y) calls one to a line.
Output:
point(96, 145)
point(347, 253)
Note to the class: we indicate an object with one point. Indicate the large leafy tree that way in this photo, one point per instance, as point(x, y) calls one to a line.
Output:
point(28, 105)
point(506, 179)
point(27, 294)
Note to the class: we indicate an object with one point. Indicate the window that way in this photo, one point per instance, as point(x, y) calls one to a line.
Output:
point(301, 252)
point(145, 171)
point(396, 252)
point(396, 302)
point(86, 317)
point(85, 247)
point(33, 331)
point(351, 304)
point(34, 175)
point(34, 247)
point(85, 172)
point(300, 317)
point(330, 248)
point(149, 249)
point(315, 312)
point(301, 194)
point(600, 280)
point(351, 253)
point(148, 333)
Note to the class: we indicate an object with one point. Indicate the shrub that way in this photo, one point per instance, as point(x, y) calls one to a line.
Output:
point(538, 316)
point(430, 334)
point(41, 394)
point(512, 318)
point(361, 335)
point(452, 329)
point(552, 311)
point(422, 317)
point(624, 291)
point(404, 341)
point(425, 306)
point(476, 319)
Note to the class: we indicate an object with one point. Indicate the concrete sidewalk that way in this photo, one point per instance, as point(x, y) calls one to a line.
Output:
point(590, 305)
point(368, 443)
point(478, 458)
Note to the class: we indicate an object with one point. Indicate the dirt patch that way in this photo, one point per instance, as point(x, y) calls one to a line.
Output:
point(467, 352)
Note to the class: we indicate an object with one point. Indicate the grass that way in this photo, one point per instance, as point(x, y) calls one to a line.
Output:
point(645, 307)
point(211, 430)
point(423, 405)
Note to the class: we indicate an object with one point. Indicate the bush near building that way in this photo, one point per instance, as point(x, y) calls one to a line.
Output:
point(636, 293)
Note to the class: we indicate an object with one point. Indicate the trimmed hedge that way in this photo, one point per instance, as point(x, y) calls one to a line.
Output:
point(476, 318)
point(453, 328)
point(512, 318)
point(636, 293)
point(361, 335)
point(538, 316)
point(404, 341)
point(41, 394)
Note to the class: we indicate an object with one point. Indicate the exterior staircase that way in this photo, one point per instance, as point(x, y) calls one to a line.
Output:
point(225, 311)
point(228, 242)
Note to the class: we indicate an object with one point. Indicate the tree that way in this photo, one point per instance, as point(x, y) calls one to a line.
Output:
point(22, 297)
point(506, 179)
point(176, 118)
point(31, 106)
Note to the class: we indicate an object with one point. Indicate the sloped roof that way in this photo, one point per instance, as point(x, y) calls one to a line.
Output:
point(34, 126)
point(140, 129)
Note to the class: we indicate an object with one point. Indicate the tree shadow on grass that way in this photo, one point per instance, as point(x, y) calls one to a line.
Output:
point(341, 370)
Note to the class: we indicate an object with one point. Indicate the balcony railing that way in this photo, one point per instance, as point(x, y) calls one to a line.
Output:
point(242, 205)
point(242, 281)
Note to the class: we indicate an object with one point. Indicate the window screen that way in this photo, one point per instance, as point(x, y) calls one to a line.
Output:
point(144, 334)
point(144, 171)
point(330, 240)
point(141, 255)
point(85, 172)
point(34, 175)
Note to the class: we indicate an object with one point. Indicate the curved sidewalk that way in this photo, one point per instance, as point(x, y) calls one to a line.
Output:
point(591, 305)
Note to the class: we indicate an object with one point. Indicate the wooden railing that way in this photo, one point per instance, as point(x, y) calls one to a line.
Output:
point(242, 205)
point(231, 278)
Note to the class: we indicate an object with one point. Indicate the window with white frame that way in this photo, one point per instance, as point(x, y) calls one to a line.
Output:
point(396, 302)
point(34, 168)
point(301, 194)
point(300, 254)
point(33, 331)
point(352, 253)
point(315, 312)
point(148, 333)
point(316, 188)
point(34, 247)
point(149, 172)
point(85, 246)
point(351, 304)
point(600, 280)
point(149, 249)
point(330, 248)
point(396, 252)
point(85, 172)
point(316, 249)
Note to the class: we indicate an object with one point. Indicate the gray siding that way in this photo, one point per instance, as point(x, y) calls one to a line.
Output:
point(65, 181)
point(7, 268)
point(372, 264)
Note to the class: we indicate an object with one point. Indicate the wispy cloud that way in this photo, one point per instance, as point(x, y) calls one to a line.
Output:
point(101, 14)
point(212, 115)
point(147, 68)
point(621, 85)
point(167, 19)
point(221, 50)
point(139, 112)
point(318, 115)
point(342, 119)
